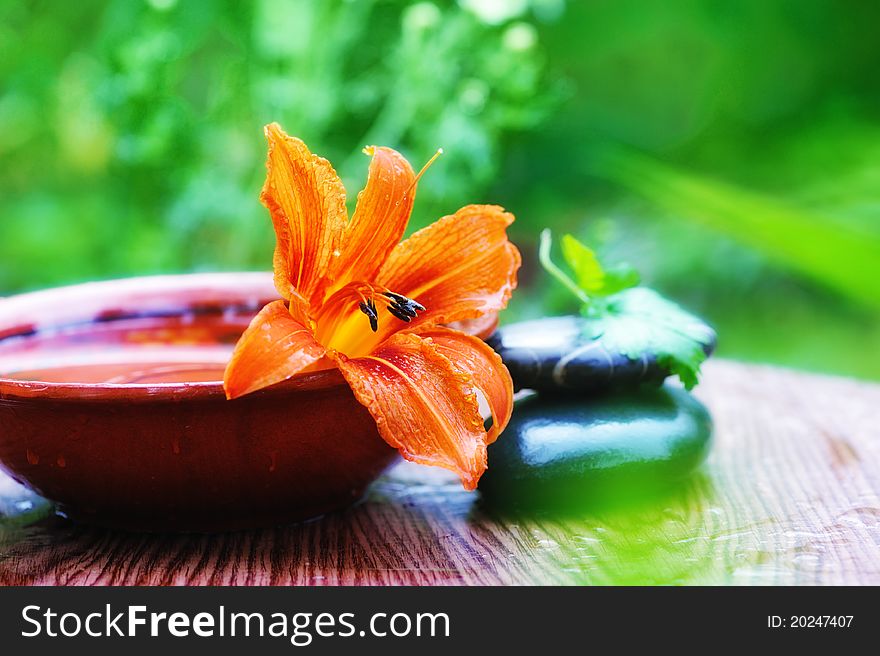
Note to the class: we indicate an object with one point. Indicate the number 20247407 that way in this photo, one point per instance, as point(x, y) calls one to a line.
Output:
point(809, 621)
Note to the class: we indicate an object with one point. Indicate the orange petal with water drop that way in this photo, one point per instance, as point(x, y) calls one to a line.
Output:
point(306, 201)
point(460, 267)
point(274, 347)
point(380, 218)
point(473, 356)
point(423, 405)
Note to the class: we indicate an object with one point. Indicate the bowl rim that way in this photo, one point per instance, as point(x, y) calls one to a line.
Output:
point(247, 290)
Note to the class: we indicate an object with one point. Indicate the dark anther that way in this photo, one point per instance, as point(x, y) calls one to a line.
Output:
point(369, 308)
point(403, 302)
point(403, 309)
point(399, 313)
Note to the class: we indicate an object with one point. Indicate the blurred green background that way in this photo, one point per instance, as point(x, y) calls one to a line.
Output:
point(730, 151)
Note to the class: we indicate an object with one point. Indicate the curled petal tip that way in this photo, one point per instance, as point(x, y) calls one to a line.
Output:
point(272, 130)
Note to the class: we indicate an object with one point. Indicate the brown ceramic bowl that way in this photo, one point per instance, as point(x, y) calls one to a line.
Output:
point(111, 406)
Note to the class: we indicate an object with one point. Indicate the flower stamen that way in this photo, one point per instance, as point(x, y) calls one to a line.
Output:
point(404, 302)
point(422, 172)
point(428, 164)
point(368, 307)
point(401, 307)
point(367, 296)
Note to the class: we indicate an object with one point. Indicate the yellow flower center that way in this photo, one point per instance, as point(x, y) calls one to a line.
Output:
point(340, 324)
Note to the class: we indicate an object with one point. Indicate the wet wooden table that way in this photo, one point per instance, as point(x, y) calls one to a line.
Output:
point(790, 495)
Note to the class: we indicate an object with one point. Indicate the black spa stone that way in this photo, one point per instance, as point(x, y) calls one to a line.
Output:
point(559, 453)
point(557, 353)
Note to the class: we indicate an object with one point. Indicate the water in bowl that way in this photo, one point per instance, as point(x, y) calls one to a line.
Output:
point(141, 350)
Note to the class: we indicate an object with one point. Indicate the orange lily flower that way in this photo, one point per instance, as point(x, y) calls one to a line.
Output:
point(356, 297)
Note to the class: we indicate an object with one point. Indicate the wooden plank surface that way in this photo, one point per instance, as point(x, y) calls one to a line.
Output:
point(790, 495)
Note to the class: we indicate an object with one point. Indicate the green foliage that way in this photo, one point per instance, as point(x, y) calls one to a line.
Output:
point(744, 179)
point(588, 273)
point(131, 135)
point(593, 277)
point(843, 257)
point(639, 320)
point(635, 321)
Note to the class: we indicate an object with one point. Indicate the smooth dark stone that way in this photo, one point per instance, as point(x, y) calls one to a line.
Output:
point(567, 453)
point(555, 354)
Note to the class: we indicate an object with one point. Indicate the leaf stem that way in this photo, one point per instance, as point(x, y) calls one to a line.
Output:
point(555, 271)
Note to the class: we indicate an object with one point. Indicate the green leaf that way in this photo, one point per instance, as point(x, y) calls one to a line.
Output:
point(590, 275)
point(551, 268)
point(583, 262)
point(634, 321)
point(639, 322)
point(620, 277)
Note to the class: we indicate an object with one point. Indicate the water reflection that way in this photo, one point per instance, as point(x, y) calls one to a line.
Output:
point(412, 528)
point(655, 536)
point(19, 508)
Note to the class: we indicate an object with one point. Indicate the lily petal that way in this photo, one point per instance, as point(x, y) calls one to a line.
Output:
point(472, 355)
point(274, 347)
point(306, 201)
point(460, 267)
point(380, 218)
point(422, 404)
point(482, 327)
